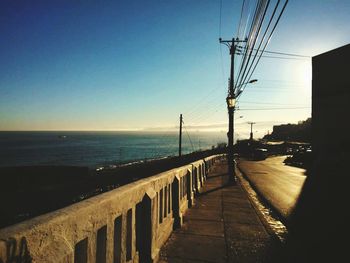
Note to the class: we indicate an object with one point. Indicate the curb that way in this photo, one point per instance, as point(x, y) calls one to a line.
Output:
point(265, 201)
point(262, 218)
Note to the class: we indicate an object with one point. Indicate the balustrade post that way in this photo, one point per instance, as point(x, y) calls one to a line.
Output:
point(190, 192)
point(148, 252)
point(176, 202)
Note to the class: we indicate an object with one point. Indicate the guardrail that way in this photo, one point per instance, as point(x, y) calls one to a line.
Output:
point(128, 224)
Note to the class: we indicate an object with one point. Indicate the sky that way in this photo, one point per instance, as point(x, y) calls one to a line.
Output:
point(137, 65)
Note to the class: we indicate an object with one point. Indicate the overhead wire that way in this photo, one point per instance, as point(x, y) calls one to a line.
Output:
point(270, 103)
point(189, 138)
point(250, 55)
point(284, 53)
point(241, 19)
point(241, 78)
point(287, 58)
point(251, 44)
point(248, 14)
point(206, 107)
point(280, 80)
point(204, 101)
point(245, 18)
point(287, 108)
point(266, 43)
point(279, 87)
point(208, 113)
point(249, 37)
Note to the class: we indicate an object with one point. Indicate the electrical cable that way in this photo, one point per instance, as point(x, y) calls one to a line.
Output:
point(240, 20)
point(240, 76)
point(284, 53)
point(271, 103)
point(268, 40)
point(288, 58)
point(291, 108)
point(242, 62)
point(188, 137)
point(199, 111)
point(245, 17)
point(243, 76)
point(209, 112)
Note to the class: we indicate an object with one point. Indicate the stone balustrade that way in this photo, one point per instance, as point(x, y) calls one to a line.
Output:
point(128, 224)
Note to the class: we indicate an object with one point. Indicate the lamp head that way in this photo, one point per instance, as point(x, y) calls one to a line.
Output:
point(231, 101)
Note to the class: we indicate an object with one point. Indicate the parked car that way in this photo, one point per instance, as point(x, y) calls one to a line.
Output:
point(302, 158)
point(259, 154)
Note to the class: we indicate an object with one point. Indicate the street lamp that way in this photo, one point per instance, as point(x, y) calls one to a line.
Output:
point(231, 103)
point(251, 81)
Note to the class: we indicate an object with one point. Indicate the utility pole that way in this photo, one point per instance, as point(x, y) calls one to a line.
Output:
point(180, 135)
point(231, 111)
point(251, 130)
point(231, 100)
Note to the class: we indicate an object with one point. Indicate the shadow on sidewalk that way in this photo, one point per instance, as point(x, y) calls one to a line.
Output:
point(212, 190)
point(215, 176)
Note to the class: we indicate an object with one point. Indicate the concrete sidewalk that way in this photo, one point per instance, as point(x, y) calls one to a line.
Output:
point(222, 227)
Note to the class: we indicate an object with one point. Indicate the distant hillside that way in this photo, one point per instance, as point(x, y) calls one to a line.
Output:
point(291, 132)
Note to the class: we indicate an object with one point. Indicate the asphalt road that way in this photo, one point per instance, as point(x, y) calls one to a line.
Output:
point(280, 184)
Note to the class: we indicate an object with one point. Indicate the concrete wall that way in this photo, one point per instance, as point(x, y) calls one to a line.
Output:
point(330, 101)
point(128, 224)
point(320, 217)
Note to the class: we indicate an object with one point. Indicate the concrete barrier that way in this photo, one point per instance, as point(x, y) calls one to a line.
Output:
point(128, 224)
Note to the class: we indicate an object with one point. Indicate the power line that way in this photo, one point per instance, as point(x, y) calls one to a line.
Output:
point(189, 137)
point(207, 114)
point(257, 27)
point(279, 53)
point(240, 20)
point(202, 100)
point(266, 43)
point(287, 58)
point(291, 108)
point(243, 76)
point(280, 80)
point(253, 39)
point(269, 103)
point(279, 87)
point(246, 20)
point(203, 109)
point(245, 14)
point(286, 54)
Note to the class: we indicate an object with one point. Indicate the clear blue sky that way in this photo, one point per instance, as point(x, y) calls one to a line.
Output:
point(120, 65)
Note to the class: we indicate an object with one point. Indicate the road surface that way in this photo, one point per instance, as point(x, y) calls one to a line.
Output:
point(278, 183)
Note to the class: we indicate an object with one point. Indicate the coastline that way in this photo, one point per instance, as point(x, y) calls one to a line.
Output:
point(28, 191)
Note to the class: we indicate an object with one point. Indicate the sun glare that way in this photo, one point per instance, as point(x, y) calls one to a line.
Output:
point(307, 74)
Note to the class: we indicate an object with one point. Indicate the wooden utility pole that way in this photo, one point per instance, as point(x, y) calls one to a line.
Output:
point(231, 98)
point(251, 130)
point(180, 135)
point(231, 111)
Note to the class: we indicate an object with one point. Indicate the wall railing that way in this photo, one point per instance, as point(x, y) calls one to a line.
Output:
point(128, 224)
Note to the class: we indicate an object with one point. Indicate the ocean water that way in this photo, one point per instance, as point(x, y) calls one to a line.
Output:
point(96, 149)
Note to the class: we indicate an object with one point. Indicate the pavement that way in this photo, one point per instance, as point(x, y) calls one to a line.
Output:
point(279, 184)
point(223, 226)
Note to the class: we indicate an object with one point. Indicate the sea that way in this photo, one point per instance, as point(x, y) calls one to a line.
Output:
point(98, 149)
